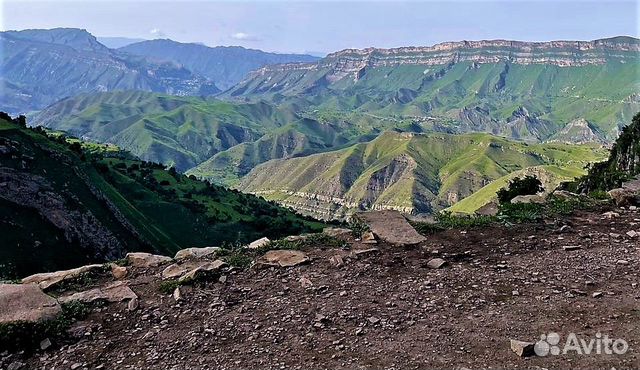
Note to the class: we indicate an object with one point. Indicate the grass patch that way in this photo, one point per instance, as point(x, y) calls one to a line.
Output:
point(168, 286)
point(27, 336)
point(445, 220)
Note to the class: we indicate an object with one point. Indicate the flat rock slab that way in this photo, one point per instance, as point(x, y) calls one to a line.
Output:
point(190, 253)
point(114, 292)
point(26, 302)
point(177, 270)
point(49, 279)
point(391, 227)
point(284, 258)
point(140, 259)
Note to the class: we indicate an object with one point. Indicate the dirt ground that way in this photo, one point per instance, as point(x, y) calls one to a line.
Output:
point(386, 309)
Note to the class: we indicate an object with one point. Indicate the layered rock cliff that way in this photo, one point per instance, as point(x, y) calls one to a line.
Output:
point(560, 53)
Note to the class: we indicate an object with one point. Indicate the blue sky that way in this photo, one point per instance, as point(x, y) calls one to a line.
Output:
point(325, 26)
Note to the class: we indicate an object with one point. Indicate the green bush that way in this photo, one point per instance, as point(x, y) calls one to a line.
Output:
point(529, 185)
point(521, 212)
point(358, 227)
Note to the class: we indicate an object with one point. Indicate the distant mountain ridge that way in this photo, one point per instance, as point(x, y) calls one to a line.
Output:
point(476, 85)
point(226, 65)
point(39, 67)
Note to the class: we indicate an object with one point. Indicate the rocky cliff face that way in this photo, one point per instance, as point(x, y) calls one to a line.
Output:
point(560, 53)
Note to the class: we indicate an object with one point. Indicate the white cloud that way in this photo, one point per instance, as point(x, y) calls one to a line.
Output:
point(242, 36)
point(156, 32)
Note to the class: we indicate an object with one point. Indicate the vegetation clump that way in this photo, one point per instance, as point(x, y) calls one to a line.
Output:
point(622, 165)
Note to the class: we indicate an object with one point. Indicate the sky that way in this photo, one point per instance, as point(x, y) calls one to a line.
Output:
point(320, 27)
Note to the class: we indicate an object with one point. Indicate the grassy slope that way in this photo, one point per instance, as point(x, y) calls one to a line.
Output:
point(416, 172)
point(169, 211)
point(556, 95)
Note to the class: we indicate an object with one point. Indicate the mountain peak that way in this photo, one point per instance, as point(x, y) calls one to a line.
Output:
point(77, 38)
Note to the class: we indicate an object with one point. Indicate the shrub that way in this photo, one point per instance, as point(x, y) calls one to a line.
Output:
point(529, 185)
point(521, 212)
point(358, 227)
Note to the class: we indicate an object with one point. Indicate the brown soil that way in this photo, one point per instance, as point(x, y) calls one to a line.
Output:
point(386, 309)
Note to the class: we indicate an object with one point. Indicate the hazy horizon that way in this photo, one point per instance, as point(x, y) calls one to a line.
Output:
point(320, 27)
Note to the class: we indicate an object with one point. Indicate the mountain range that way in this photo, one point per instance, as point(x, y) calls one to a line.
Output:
point(516, 89)
point(40, 67)
point(225, 65)
point(398, 103)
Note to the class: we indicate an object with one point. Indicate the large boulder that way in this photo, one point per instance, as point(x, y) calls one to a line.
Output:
point(141, 259)
point(114, 292)
point(190, 253)
point(391, 227)
point(48, 280)
point(26, 302)
point(284, 258)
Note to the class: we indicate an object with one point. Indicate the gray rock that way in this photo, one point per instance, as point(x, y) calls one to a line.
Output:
point(26, 302)
point(51, 279)
point(526, 199)
point(189, 253)
point(436, 263)
point(140, 259)
point(258, 243)
point(114, 292)
point(44, 344)
point(284, 258)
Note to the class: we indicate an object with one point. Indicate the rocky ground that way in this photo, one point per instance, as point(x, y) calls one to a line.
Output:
point(383, 307)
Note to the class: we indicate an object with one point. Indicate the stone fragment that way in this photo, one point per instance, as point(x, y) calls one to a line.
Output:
point(527, 199)
point(436, 263)
point(284, 258)
point(190, 253)
point(610, 215)
point(115, 292)
point(258, 243)
point(202, 269)
point(141, 259)
point(45, 343)
point(48, 280)
point(177, 294)
point(118, 272)
point(522, 349)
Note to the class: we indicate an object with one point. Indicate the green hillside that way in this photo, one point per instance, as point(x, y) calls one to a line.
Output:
point(64, 203)
point(417, 173)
